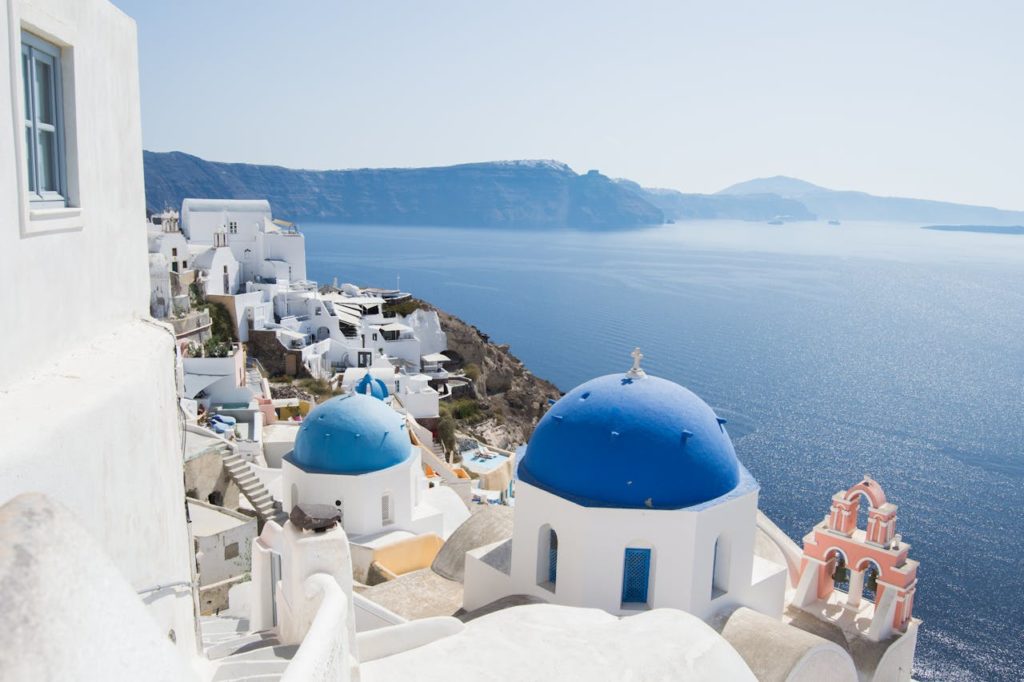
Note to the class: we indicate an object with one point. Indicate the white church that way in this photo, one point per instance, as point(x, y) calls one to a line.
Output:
point(353, 452)
point(630, 497)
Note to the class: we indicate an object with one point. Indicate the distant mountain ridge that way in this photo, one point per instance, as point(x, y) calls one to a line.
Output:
point(850, 205)
point(539, 194)
point(521, 194)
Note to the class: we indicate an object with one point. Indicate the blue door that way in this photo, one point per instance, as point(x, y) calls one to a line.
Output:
point(635, 575)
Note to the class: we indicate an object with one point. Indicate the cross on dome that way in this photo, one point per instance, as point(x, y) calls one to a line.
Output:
point(635, 370)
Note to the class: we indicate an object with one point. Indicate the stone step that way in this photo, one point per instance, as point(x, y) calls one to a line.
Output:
point(242, 644)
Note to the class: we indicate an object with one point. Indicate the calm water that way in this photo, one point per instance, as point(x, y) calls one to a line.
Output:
point(833, 351)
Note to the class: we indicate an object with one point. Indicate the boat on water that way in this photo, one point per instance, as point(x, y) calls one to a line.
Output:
point(834, 222)
point(775, 221)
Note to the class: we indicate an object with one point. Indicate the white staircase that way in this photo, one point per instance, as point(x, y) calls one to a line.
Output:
point(237, 654)
point(259, 497)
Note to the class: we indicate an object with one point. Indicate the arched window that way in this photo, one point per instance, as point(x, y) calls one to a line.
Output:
point(871, 570)
point(547, 557)
point(636, 576)
point(836, 561)
point(720, 568)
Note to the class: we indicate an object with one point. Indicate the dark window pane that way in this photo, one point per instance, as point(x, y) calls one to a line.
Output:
point(29, 160)
point(44, 92)
point(47, 160)
point(27, 85)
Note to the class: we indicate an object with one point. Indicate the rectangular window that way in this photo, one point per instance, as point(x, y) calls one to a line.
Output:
point(636, 574)
point(184, 265)
point(553, 558)
point(44, 124)
point(174, 252)
point(385, 509)
point(231, 551)
point(233, 227)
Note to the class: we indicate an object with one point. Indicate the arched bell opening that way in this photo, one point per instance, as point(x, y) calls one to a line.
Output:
point(838, 570)
point(872, 571)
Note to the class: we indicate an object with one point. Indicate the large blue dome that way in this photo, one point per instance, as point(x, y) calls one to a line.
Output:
point(351, 434)
point(631, 442)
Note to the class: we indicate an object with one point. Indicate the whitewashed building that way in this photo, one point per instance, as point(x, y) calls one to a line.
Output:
point(87, 379)
point(266, 250)
point(630, 497)
point(353, 452)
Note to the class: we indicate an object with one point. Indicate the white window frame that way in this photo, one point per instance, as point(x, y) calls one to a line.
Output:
point(34, 218)
point(33, 51)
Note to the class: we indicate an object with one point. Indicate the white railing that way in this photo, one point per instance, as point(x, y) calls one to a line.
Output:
point(323, 654)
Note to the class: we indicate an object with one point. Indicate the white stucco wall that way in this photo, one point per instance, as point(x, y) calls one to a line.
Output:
point(222, 262)
point(361, 496)
point(214, 535)
point(67, 368)
point(97, 250)
point(427, 328)
point(288, 247)
point(591, 545)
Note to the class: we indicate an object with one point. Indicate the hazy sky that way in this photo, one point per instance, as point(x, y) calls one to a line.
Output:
point(910, 98)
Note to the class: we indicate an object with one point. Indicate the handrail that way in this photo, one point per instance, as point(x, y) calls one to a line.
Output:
point(323, 654)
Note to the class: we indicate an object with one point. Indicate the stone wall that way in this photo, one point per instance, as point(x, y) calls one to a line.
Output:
point(264, 346)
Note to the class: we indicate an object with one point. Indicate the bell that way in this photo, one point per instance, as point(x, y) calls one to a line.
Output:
point(871, 583)
point(841, 574)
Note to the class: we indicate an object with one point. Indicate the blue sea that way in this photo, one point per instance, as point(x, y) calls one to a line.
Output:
point(834, 351)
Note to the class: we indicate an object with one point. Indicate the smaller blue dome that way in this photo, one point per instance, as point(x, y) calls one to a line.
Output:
point(351, 434)
point(372, 387)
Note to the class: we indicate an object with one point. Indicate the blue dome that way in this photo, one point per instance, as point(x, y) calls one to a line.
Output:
point(351, 434)
point(631, 442)
point(372, 387)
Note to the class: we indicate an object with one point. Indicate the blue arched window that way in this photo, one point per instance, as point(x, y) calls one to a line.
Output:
point(636, 575)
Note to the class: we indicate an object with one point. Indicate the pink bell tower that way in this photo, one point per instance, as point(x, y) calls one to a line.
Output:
point(872, 563)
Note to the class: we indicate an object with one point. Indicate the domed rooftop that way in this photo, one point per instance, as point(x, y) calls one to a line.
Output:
point(351, 434)
point(372, 387)
point(631, 441)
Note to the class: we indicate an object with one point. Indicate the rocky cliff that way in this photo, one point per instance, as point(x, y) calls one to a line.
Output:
point(506, 399)
point(514, 194)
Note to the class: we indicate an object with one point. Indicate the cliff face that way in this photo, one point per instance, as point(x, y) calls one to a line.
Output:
point(511, 399)
point(525, 194)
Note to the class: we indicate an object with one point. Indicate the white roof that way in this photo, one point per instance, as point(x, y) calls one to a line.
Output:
point(208, 521)
point(195, 383)
point(546, 641)
point(436, 357)
point(239, 205)
point(395, 327)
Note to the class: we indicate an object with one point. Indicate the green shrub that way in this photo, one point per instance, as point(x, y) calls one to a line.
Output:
point(215, 348)
point(222, 328)
point(404, 307)
point(466, 408)
point(446, 432)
